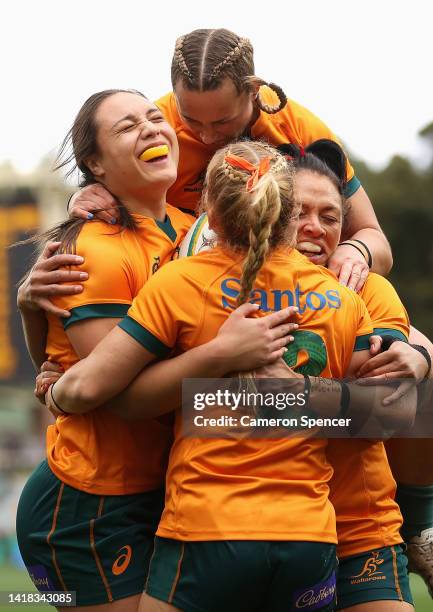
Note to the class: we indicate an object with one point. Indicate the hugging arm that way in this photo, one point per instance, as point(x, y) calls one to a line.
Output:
point(44, 281)
point(242, 342)
point(347, 262)
point(328, 399)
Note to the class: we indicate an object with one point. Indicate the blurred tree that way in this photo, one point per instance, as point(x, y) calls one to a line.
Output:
point(403, 199)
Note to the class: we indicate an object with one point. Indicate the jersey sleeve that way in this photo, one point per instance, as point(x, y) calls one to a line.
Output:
point(109, 290)
point(386, 310)
point(365, 326)
point(162, 311)
point(309, 129)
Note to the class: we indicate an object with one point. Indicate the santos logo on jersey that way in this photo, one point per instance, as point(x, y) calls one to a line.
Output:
point(277, 299)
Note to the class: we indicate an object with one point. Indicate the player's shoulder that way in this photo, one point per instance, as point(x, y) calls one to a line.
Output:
point(191, 265)
point(381, 298)
point(311, 269)
point(97, 238)
point(321, 276)
point(164, 101)
point(96, 231)
point(167, 105)
point(306, 121)
point(376, 282)
point(198, 270)
point(292, 110)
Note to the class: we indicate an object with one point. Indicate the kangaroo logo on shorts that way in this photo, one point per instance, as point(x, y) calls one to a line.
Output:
point(315, 597)
point(370, 570)
point(121, 563)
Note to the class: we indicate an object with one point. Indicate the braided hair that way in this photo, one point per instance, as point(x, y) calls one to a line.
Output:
point(203, 58)
point(253, 221)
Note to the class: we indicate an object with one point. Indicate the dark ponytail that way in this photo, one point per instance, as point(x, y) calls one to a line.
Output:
point(324, 157)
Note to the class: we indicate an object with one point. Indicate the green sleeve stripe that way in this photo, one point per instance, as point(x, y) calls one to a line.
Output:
point(96, 311)
point(395, 333)
point(167, 228)
point(352, 186)
point(362, 343)
point(200, 222)
point(144, 337)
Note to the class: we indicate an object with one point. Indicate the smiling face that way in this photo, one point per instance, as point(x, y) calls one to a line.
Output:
point(217, 116)
point(127, 126)
point(321, 218)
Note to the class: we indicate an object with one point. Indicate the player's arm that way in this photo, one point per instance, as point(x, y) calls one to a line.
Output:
point(391, 410)
point(33, 300)
point(329, 399)
point(400, 360)
point(417, 337)
point(83, 335)
point(35, 329)
point(348, 263)
point(94, 201)
point(106, 371)
point(407, 363)
point(391, 354)
point(86, 334)
point(362, 224)
point(242, 342)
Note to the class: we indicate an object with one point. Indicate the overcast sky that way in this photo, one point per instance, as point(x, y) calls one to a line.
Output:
point(364, 67)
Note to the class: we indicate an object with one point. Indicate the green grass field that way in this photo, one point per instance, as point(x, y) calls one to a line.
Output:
point(17, 580)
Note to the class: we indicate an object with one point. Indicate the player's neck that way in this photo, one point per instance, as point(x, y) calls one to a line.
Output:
point(147, 205)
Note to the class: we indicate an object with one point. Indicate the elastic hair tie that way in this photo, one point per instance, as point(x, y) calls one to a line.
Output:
point(256, 171)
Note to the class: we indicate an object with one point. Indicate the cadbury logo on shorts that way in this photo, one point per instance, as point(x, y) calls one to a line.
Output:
point(316, 596)
point(40, 577)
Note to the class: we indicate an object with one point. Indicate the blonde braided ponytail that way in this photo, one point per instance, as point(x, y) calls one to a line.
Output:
point(249, 196)
point(264, 213)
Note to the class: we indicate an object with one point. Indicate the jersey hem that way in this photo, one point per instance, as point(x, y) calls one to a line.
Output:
point(206, 536)
point(344, 552)
point(97, 489)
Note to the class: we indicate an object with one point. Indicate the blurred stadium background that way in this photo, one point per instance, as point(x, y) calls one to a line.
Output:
point(403, 198)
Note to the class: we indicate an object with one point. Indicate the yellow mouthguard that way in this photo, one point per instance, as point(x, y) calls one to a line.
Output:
point(308, 246)
point(153, 152)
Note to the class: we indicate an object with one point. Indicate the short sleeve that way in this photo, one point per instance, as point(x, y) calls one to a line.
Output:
point(386, 310)
point(164, 309)
point(364, 328)
point(110, 287)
